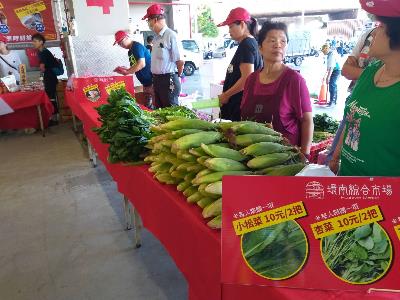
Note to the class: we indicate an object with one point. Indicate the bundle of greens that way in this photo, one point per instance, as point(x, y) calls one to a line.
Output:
point(124, 126)
point(360, 255)
point(163, 115)
point(276, 252)
point(325, 123)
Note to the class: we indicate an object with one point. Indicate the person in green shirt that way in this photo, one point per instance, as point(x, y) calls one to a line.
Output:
point(369, 144)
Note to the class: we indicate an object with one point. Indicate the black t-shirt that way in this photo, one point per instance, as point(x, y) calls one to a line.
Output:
point(248, 53)
point(49, 61)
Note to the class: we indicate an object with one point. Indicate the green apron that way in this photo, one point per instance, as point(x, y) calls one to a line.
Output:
point(371, 144)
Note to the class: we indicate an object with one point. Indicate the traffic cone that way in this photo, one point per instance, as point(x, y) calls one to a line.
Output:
point(323, 94)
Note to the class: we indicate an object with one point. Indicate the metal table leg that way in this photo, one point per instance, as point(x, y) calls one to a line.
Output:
point(92, 155)
point(138, 228)
point(128, 214)
point(75, 128)
point(39, 109)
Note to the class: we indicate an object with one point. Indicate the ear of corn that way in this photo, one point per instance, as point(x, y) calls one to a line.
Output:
point(253, 127)
point(213, 209)
point(195, 168)
point(163, 167)
point(184, 166)
point(249, 139)
point(284, 170)
point(178, 174)
point(205, 201)
point(183, 186)
point(264, 148)
point(199, 152)
point(214, 188)
point(204, 172)
point(188, 124)
point(195, 140)
point(222, 152)
point(190, 191)
point(224, 164)
point(217, 176)
point(166, 178)
point(182, 132)
point(269, 160)
point(195, 197)
point(201, 160)
point(190, 176)
point(215, 223)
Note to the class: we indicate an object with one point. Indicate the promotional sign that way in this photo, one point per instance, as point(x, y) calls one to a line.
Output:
point(330, 233)
point(20, 19)
point(97, 89)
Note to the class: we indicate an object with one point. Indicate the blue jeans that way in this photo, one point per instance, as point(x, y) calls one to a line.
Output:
point(335, 142)
point(333, 86)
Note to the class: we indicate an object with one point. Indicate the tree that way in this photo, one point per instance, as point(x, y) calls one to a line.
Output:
point(206, 24)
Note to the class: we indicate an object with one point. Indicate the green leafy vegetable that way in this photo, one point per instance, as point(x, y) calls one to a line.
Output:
point(325, 123)
point(124, 126)
point(276, 252)
point(360, 255)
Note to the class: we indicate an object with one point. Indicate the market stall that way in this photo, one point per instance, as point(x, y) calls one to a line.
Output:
point(196, 249)
point(26, 110)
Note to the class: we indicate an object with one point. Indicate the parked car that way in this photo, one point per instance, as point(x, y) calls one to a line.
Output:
point(192, 56)
point(220, 52)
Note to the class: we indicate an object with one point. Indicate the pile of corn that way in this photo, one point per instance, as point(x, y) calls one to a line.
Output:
point(195, 155)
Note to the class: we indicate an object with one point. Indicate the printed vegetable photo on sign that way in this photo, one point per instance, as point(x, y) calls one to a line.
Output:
point(358, 256)
point(277, 252)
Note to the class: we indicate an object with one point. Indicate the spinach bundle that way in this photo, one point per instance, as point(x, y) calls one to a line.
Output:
point(325, 123)
point(360, 255)
point(124, 126)
point(276, 252)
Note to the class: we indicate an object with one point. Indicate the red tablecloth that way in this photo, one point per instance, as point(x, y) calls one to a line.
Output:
point(195, 248)
point(25, 113)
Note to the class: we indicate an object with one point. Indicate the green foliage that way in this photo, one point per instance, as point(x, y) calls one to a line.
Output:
point(325, 123)
point(359, 255)
point(206, 24)
point(277, 251)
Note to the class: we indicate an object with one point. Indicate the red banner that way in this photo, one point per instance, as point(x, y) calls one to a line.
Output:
point(340, 233)
point(105, 4)
point(97, 89)
point(20, 19)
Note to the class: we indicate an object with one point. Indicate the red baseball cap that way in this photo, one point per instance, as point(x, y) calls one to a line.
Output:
point(154, 10)
point(119, 36)
point(3, 39)
point(383, 8)
point(236, 14)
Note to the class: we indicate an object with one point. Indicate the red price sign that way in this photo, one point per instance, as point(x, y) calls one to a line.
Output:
point(321, 233)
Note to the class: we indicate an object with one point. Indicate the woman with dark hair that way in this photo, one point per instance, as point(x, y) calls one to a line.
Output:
point(369, 146)
point(47, 63)
point(242, 28)
point(277, 94)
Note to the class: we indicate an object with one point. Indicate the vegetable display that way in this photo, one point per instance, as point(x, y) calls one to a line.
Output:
point(325, 123)
point(195, 155)
point(358, 256)
point(124, 126)
point(276, 252)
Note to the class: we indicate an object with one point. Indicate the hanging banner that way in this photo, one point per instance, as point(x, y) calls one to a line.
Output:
point(20, 19)
point(330, 233)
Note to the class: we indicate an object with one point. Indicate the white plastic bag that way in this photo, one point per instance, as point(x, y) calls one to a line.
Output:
point(314, 170)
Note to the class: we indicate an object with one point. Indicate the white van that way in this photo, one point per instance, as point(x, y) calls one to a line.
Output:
point(192, 56)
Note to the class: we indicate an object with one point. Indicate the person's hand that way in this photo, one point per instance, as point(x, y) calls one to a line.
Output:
point(351, 60)
point(42, 68)
point(223, 99)
point(334, 165)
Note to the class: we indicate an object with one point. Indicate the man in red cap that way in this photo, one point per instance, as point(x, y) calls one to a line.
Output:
point(166, 62)
point(383, 8)
point(140, 62)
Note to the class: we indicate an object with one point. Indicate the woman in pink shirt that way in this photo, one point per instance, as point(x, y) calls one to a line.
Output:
point(277, 94)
